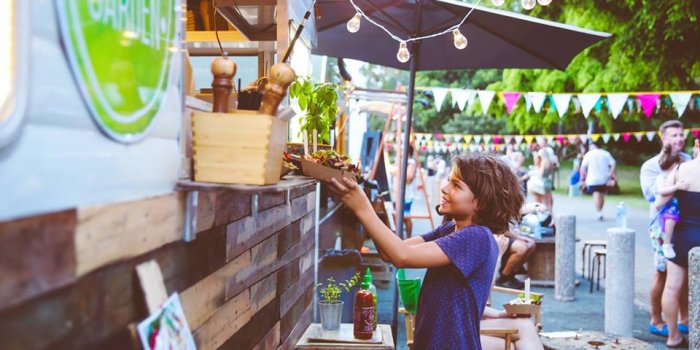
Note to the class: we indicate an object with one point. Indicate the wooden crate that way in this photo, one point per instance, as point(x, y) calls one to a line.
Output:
point(238, 148)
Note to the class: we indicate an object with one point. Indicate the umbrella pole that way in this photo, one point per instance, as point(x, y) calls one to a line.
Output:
point(402, 172)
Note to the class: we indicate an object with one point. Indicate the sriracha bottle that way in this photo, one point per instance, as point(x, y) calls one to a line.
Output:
point(364, 315)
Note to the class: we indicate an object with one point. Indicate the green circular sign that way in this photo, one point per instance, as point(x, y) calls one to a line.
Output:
point(121, 54)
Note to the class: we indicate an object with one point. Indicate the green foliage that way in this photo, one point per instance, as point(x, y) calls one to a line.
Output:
point(331, 292)
point(319, 101)
point(653, 47)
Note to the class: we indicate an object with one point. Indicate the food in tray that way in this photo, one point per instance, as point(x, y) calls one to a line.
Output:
point(335, 160)
point(288, 162)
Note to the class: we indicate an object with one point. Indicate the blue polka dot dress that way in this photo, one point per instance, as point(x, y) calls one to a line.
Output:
point(454, 296)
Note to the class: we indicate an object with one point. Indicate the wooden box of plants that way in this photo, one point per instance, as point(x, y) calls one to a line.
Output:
point(242, 147)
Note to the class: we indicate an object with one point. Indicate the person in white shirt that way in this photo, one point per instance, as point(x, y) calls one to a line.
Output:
point(597, 168)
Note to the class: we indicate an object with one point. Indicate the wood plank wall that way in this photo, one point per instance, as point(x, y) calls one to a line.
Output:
point(68, 281)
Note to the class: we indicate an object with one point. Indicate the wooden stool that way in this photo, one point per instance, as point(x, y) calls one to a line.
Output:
point(589, 245)
point(600, 254)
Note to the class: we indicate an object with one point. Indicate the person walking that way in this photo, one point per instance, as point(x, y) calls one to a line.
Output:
point(671, 134)
point(597, 168)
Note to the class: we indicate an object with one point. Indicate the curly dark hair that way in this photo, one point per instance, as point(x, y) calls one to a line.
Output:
point(496, 187)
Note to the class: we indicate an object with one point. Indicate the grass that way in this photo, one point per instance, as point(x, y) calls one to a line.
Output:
point(627, 179)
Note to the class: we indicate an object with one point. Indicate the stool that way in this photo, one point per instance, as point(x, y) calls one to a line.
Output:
point(590, 244)
point(600, 254)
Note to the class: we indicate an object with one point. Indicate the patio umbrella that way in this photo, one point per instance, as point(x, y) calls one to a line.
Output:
point(496, 39)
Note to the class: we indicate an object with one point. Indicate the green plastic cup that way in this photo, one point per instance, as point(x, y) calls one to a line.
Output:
point(409, 289)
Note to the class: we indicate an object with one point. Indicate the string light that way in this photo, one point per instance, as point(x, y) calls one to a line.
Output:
point(354, 23)
point(526, 4)
point(403, 55)
point(460, 40)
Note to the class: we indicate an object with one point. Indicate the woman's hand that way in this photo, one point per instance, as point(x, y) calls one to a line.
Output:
point(350, 193)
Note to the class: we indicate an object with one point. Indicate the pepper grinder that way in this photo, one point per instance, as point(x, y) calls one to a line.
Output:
point(223, 70)
point(281, 75)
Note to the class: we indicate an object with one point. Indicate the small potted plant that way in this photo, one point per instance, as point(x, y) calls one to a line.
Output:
point(318, 101)
point(330, 307)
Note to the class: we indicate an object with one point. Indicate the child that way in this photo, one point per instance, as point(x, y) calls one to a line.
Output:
point(482, 196)
point(668, 213)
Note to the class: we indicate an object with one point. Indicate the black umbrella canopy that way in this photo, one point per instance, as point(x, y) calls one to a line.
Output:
point(497, 39)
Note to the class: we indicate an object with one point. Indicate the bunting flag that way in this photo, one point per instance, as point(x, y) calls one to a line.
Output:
point(651, 135)
point(561, 101)
point(595, 137)
point(572, 138)
point(606, 138)
point(486, 97)
point(510, 99)
point(519, 139)
point(599, 106)
point(686, 132)
point(626, 136)
point(467, 138)
point(528, 102)
point(477, 138)
point(487, 138)
point(460, 97)
point(616, 102)
point(616, 136)
point(537, 99)
point(648, 102)
point(529, 139)
point(588, 101)
point(639, 136)
point(584, 138)
point(439, 94)
point(680, 101)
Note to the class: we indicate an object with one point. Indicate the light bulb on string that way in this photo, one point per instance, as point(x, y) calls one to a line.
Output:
point(544, 2)
point(528, 4)
point(354, 23)
point(403, 55)
point(460, 39)
point(498, 2)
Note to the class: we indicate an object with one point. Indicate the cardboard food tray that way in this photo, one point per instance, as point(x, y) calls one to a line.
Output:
point(521, 309)
point(342, 335)
point(323, 173)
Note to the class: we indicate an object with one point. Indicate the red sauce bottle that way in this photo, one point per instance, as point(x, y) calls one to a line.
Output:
point(364, 315)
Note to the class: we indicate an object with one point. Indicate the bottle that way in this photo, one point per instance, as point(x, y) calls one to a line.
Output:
point(364, 315)
point(367, 284)
point(621, 216)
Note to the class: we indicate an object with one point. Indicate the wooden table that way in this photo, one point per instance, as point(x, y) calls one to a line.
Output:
point(586, 340)
point(540, 267)
point(385, 329)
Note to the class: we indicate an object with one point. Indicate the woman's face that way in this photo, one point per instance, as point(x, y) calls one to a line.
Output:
point(457, 199)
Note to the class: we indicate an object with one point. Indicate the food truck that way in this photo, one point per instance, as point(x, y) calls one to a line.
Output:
point(102, 221)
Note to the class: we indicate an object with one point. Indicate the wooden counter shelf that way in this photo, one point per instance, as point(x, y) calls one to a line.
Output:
point(287, 183)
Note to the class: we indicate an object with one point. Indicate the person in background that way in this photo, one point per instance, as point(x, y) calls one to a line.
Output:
point(517, 252)
point(430, 165)
point(540, 182)
point(671, 134)
point(517, 161)
point(685, 238)
point(597, 168)
point(668, 213)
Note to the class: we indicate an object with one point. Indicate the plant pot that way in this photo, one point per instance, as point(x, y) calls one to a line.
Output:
point(331, 314)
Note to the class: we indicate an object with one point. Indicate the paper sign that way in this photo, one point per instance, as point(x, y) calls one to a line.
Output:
point(167, 329)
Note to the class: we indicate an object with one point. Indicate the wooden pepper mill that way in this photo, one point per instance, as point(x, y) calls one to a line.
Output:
point(281, 76)
point(223, 70)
